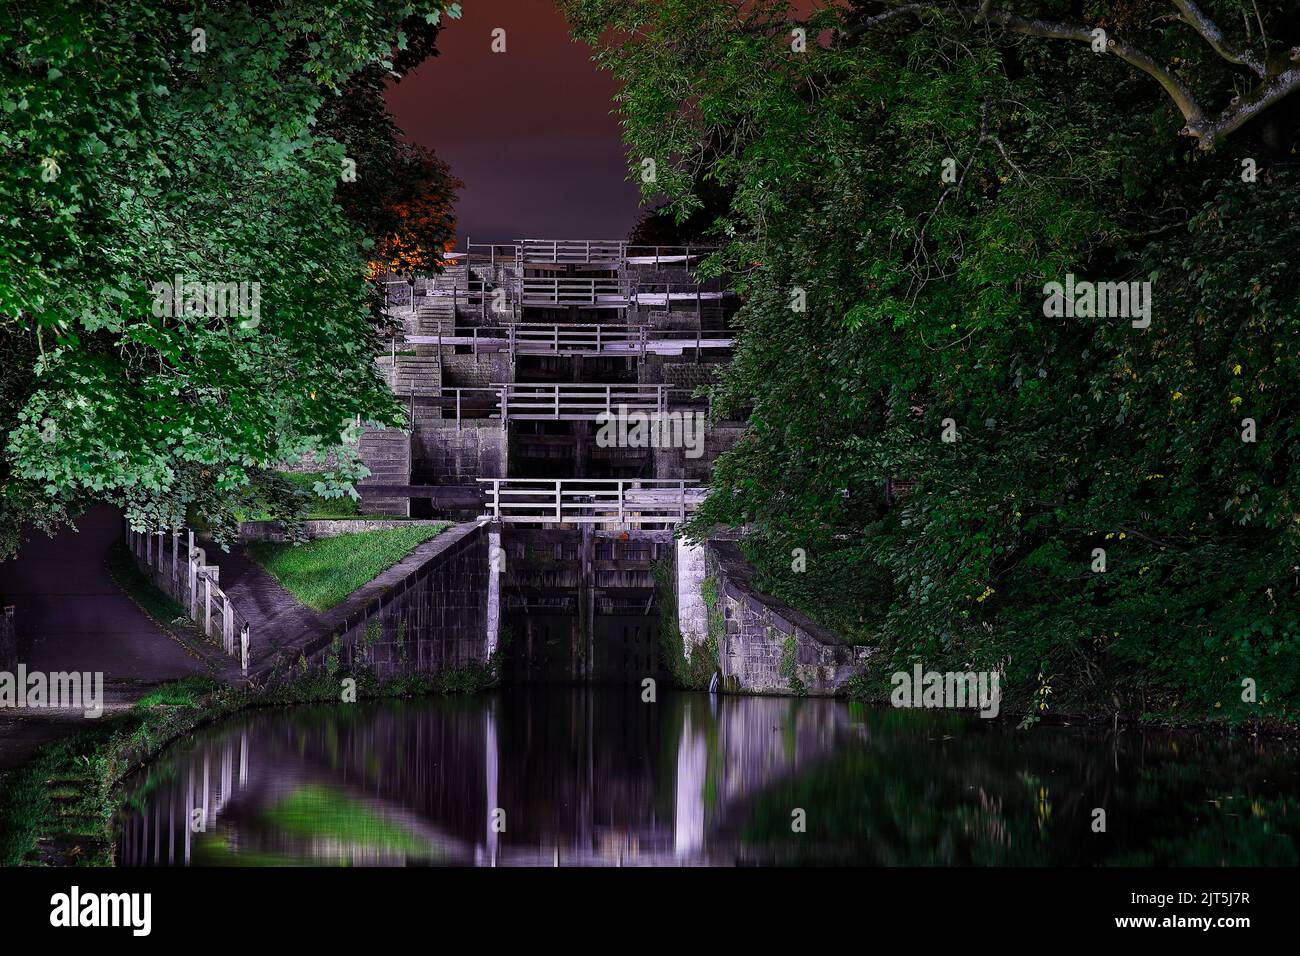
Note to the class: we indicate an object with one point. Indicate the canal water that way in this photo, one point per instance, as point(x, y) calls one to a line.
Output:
point(574, 776)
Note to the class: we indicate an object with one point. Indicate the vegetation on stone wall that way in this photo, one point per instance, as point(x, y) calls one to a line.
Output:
point(691, 671)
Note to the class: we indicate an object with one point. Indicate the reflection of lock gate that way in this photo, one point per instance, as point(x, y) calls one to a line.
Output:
point(613, 502)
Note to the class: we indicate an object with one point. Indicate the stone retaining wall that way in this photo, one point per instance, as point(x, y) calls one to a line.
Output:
point(767, 646)
point(426, 614)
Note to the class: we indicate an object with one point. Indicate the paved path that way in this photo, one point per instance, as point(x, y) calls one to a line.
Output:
point(273, 614)
point(72, 617)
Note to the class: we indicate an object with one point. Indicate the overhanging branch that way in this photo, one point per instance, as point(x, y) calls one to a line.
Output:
point(1202, 24)
point(1273, 86)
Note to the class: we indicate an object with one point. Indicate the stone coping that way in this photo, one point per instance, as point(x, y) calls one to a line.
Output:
point(273, 531)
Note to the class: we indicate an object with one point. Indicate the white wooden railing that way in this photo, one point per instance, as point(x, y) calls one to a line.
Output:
point(577, 338)
point(616, 502)
point(558, 291)
point(182, 571)
point(579, 402)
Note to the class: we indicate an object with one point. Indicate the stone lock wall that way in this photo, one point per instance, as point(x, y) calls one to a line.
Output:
point(425, 619)
point(475, 371)
point(766, 646)
point(449, 455)
point(673, 462)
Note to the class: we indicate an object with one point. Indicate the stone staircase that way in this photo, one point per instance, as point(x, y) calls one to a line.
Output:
point(421, 374)
point(387, 453)
point(431, 317)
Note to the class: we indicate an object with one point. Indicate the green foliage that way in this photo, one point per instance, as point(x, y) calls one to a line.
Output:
point(134, 154)
point(187, 692)
point(322, 573)
point(308, 495)
point(925, 303)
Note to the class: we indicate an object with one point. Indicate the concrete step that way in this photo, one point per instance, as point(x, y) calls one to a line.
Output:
point(387, 453)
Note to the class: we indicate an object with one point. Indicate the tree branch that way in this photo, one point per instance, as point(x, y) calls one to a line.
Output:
point(1249, 106)
point(1273, 86)
point(1192, 15)
point(1029, 26)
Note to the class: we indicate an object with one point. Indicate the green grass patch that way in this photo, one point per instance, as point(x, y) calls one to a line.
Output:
point(187, 692)
point(322, 573)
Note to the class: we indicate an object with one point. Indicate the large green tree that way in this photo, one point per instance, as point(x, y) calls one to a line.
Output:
point(141, 141)
point(905, 181)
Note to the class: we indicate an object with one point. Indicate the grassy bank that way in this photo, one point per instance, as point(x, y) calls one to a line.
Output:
point(322, 573)
point(59, 809)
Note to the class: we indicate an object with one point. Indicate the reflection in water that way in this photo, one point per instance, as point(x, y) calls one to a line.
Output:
point(551, 776)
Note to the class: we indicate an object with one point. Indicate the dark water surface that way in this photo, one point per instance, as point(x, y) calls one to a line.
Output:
point(579, 776)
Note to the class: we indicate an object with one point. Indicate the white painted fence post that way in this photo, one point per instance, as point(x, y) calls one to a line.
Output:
point(227, 625)
point(243, 649)
point(207, 604)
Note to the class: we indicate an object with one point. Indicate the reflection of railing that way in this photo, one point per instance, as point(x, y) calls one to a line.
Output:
point(162, 829)
point(196, 587)
point(619, 502)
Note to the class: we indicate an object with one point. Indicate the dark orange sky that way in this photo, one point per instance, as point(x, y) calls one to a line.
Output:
point(529, 131)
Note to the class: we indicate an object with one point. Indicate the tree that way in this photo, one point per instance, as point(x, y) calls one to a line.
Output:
point(143, 143)
point(1276, 72)
point(919, 180)
point(400, 193)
